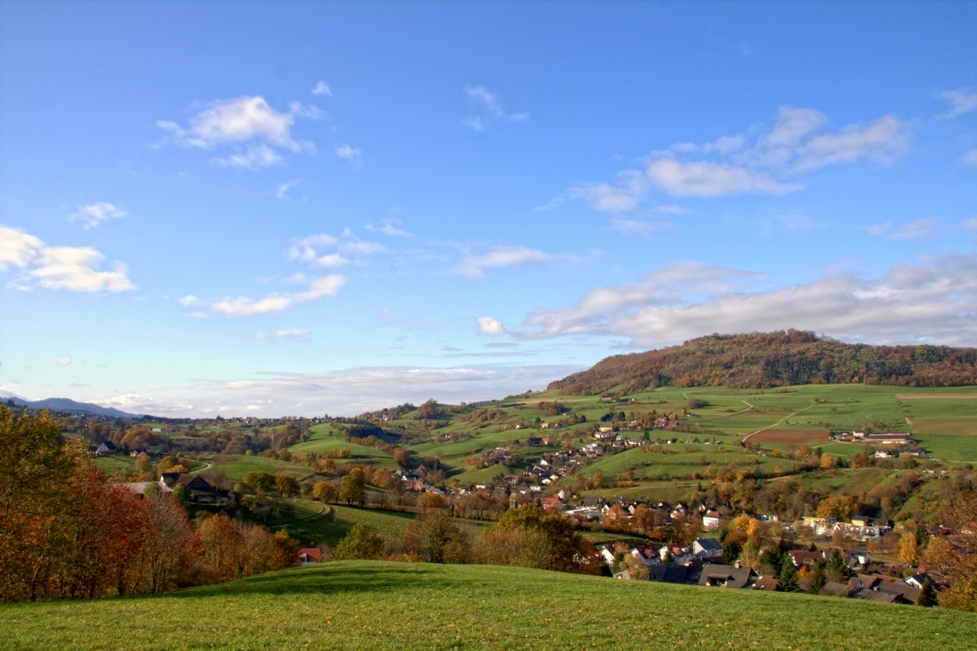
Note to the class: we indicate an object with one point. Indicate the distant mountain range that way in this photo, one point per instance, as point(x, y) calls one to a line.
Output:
point(66, 404)
point(762, 360)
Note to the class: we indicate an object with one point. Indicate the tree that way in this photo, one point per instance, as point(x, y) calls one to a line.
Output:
point(909, 548)
point(816, 579)
point(835, 569)
point(259, 480)
point(827, 462)
point(731, 551)
point(788, 574)
point(927, 596)
point(359, 544)
point(436, 538)
point(841, 507)
point(547, 540)
point(431, 501)
point(324, 492)
point(286, 485)
point(351, 489)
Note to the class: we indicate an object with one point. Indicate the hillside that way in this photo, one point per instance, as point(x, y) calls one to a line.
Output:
point(377, 605)
point(763, 360)
point(68, 405)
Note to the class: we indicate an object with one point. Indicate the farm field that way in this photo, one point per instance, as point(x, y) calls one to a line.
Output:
point(313, 523)
point(236, 466)
point(380, 605)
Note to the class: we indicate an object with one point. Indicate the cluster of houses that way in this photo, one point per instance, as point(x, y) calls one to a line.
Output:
point(703, 564)
point(859, 527)
point(197, 489)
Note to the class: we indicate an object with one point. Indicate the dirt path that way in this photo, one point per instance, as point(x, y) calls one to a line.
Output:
point(747, 437)
point(742, 411)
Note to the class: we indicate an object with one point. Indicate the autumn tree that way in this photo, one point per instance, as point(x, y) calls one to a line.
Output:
point(841, 507)
point(436, 538)
point(359, 544)
point(324, 491)
point(286, 485)
point(351, 489)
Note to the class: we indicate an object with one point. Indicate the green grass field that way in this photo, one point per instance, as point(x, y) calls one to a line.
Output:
point(237, 466)
point(378, 605)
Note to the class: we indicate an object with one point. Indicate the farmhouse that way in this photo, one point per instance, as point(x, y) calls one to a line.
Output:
point(198, 489)
point(889, 438)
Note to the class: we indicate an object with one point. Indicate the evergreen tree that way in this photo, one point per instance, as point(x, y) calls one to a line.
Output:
point(927, 598)
point(788, 574)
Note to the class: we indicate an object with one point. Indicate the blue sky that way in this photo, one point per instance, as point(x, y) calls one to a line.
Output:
point(307, 208)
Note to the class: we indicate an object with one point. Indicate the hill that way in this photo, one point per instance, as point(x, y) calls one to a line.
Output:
point(764, 360)
point(69, 405)
point(378, 605)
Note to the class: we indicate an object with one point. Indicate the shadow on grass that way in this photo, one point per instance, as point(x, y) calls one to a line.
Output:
point(326, 578)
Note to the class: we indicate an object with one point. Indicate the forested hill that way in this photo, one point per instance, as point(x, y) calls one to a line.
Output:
point(770, 359)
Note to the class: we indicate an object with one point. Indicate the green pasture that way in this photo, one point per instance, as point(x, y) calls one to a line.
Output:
point(236, 466)
point(381, 605)
point(116, 464)
point(313, 523)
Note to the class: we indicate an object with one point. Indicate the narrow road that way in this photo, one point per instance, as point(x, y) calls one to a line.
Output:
point(742, 411)
point(747, 437)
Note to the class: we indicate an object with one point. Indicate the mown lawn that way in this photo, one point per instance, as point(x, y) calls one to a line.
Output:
point(378, 605)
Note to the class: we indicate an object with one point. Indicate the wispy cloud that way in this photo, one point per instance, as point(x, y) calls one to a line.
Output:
point(351, 155)
point(766, 163)
point(681, 301)
point(917, 230)
point(390, 228)
point(242, 306)
point(340, 393)
point(60, 267)
point(325, 250)
point(322, 89)
point(63, 361)
point(475, 265)
point(292, 335)
point(961, 100)
point(95, 213)
point(970, 158)
point(256, 134)
point(284, 188)
point(488, 109)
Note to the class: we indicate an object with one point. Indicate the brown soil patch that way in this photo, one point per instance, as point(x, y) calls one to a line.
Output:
point(936, 396)
point(797, 436)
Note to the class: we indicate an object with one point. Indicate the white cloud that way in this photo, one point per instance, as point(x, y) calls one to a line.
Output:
point(242, 306)
point(488, 109)
point(94, 214)
point(312, 249)
point(731, 165)
point(389, 227)
point(63, 267)
point(17, 248)
point(970, 158)
point(969, 224)
point(284, 188)
point(705, 179)
point(474, 266)
point(962, 100)
point(254, 157)
point(607, 198)
point(63, 361)
point(322, 88)
point(341, 393)
point(882, 141)
point(310, 111)
point(639, 227)
point(256, 133)
point(934, 301)
point(293, 335)
point(352, 155)
point(917, 230)
point(76, 269)
point(489, 326)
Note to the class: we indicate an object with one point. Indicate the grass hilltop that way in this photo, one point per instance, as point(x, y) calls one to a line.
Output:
point(378, 605)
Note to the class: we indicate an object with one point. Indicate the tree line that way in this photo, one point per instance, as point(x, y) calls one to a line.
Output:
point(65, 533)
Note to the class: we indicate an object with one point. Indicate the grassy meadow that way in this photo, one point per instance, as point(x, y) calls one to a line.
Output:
point(380, 605)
